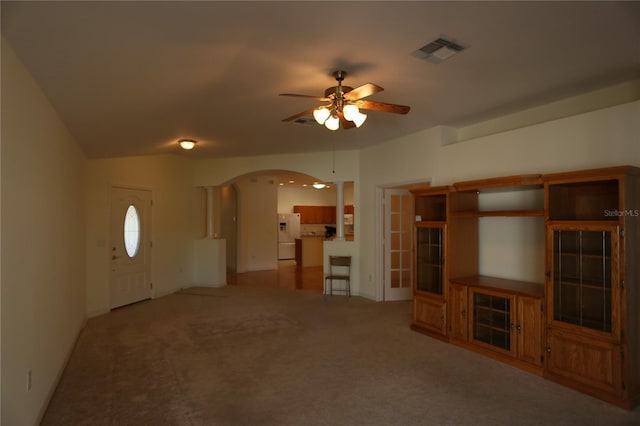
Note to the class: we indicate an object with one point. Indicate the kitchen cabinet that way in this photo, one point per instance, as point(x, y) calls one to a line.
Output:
point(310, 251)
point(319, 215)
point(324, 215)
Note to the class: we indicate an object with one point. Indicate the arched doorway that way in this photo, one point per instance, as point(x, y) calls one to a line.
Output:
point(250, 211)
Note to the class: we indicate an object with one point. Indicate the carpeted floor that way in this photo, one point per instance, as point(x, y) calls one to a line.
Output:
point(255, 356)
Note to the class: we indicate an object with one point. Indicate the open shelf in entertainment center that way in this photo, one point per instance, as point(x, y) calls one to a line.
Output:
point(499, 213)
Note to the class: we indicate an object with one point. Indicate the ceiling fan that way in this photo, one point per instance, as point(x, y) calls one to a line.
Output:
point(344, 105)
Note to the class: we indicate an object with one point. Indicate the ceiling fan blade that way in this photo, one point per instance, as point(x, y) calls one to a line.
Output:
point(362, 91)
point(381, 106)
point(300, 114)
point(346, 124)
point(317, 98)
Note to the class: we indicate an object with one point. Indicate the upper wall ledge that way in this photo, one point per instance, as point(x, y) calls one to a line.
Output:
point(598, 99)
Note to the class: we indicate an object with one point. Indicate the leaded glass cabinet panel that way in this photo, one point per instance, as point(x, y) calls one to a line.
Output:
point(584, 291)
point(430, 258)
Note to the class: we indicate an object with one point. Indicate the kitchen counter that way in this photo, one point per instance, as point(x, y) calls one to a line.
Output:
point(310, 250)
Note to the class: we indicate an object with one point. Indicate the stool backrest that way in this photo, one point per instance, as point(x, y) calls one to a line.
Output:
point(340, 260)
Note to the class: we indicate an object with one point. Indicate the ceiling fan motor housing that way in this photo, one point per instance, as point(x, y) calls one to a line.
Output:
point(334, 91)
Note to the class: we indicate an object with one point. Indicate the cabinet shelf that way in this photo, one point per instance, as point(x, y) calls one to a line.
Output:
point(596, 256)
point(583, 200)
point(574, 281)
point(499, 213)
point(595, 323)
point(431, 204)
point(492, 328)
point(504, 183)
point(491, 310)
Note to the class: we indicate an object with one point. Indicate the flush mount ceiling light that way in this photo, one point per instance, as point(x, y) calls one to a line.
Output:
point(187, 144)
point(439, 50)
point(318, 185)
point(344, 105)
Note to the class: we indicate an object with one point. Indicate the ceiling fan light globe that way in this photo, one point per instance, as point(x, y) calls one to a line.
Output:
point(321, 115)
point(187, 144)
point(350, 112)
point(332, 123)
point(359, 119)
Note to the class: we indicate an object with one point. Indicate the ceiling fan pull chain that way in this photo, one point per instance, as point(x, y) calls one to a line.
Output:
point(333, 143)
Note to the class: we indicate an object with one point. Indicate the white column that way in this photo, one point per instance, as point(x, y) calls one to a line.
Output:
point(339, 211)
point(210, 232)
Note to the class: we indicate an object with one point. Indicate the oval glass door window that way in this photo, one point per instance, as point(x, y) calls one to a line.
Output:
point(132, 231)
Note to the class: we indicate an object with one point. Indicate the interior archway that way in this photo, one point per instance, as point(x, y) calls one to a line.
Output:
point(249, 221)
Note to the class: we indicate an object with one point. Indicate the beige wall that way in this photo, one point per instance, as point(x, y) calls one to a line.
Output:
point(256, 224)
point(606, 137)
point(176, 221)
point(43, 232)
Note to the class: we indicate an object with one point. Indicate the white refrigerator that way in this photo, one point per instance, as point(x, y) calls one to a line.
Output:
point(288, 231)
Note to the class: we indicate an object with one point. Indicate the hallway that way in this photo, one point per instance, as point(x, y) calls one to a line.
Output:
point(287, 276)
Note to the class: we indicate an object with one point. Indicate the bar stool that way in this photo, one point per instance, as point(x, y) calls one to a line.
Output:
point(339, 270)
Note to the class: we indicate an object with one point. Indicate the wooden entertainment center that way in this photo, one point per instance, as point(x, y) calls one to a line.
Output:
point(579, 323)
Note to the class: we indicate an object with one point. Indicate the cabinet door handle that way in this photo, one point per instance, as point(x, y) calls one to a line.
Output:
point(549, 349)
point(519, 328)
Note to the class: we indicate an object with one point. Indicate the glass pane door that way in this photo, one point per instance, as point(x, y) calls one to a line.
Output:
point(429, 259)
point(582, 290)
point(398, 246)
point(492, 320)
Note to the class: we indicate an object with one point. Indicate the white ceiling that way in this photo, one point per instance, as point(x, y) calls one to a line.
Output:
point(131, 78)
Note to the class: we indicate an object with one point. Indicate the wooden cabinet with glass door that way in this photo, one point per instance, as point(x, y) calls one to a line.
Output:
point(592, 289)
point(500, 318)
point(430, 235)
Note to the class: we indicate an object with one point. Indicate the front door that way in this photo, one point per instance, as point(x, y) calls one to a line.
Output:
point(130, 257)
point(398, 230)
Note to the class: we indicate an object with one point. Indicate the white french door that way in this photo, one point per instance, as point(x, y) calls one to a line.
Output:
point(398, 244)
point(130, 254)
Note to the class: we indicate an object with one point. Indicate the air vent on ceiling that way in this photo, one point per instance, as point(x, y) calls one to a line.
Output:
point(439, 50)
